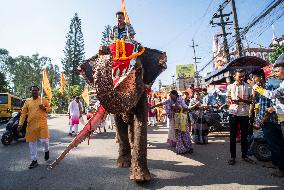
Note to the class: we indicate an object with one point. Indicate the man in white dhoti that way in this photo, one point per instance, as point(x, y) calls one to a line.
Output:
point(74, 115)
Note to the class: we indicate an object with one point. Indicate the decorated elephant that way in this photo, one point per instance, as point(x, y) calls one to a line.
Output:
point(128, 101)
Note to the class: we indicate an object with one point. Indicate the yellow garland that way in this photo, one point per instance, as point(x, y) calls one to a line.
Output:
point(120, 48)
point(117, 49)
point(123, 48)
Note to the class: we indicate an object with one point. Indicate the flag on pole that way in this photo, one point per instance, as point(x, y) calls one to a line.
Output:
point(62, 83)
point(85, 96)
point(45, 84)
point(127, 20)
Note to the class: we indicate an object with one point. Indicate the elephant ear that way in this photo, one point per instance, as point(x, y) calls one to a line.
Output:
point(122, 98)
point(154, 63)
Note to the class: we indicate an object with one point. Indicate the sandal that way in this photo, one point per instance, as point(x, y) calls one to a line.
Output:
point(247, 159)
point(232, 162)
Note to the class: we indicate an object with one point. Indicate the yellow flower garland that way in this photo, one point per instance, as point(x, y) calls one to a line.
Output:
point(120, 49)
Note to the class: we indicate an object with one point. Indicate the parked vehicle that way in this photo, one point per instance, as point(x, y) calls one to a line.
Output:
point(9, 104)
point(12, 132)
point(258, 146)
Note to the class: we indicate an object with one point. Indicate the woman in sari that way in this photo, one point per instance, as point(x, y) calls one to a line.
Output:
point(178, 136)
point(199, 126)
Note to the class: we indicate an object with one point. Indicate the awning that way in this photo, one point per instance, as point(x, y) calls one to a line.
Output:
point(248, 63)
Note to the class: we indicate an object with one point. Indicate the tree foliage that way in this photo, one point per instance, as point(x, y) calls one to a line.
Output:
point(279, 50)
point(4, 82)
point(106, 36)
point(60, 102)
point(74, 51)
point(25, 71)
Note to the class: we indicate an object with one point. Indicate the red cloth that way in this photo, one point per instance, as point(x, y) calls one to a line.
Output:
point(121, 68)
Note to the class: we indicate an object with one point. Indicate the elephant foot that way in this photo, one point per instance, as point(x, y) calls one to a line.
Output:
point(139, 174)
point(124, 161)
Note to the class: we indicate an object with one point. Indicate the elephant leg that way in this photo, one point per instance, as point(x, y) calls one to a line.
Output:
point(131, 132)
point(124, 157)
point(139, 169)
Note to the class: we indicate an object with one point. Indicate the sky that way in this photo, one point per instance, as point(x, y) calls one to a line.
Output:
point(38, 26)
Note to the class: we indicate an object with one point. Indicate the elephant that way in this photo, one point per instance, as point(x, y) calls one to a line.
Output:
point(128, 102)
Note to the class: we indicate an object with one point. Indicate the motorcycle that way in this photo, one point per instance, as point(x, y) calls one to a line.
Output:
point(258, 146)
point(12, 131)
point(217, 118)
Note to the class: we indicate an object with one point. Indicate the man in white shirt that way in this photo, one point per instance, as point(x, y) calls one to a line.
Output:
point(239, 100)
point(74, 115)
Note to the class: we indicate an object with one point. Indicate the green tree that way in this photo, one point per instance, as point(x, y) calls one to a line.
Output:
point(60, 102)
point(279, 50)
point(73, 52)
point(53, 75)
point(106, 36)
point(3, 83)
point(5, 58)
point(26, 71)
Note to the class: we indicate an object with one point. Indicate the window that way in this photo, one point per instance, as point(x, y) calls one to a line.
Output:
point(3, 99)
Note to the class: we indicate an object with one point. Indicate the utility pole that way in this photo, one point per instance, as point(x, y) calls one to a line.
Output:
point(196, 73)
point(236, 28)
point(174, 85)
point(160, 85)
point(223, 24)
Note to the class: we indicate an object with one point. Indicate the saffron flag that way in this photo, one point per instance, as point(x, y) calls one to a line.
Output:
point(62, 83)
point(45, 84)
point(85, 96)
point(127, 20)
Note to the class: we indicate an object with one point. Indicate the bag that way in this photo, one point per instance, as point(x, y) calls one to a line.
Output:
point(180, 120)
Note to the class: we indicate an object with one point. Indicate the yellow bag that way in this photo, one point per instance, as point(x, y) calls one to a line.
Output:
point(180, 120)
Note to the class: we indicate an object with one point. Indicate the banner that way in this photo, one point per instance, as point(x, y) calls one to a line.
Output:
point(45, 84)
point(185, 71)
point(62, 83)
point(85, 96)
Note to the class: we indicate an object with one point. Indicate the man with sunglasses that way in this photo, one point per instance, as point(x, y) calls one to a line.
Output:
point(239, 100)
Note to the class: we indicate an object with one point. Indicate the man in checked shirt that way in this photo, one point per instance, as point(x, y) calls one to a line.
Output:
point(272, 132)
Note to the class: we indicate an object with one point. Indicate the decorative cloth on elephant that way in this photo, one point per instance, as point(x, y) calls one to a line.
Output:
point(124, 54)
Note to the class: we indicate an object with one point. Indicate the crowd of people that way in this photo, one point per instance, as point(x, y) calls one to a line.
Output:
point(251, 100)
point(251, 104)
point(183, 114)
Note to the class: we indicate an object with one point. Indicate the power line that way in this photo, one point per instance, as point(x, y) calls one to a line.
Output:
point(203, 16)
point(188, 26)
point(257, 20)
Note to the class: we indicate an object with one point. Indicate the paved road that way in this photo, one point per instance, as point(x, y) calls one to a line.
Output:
point(93, 167)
